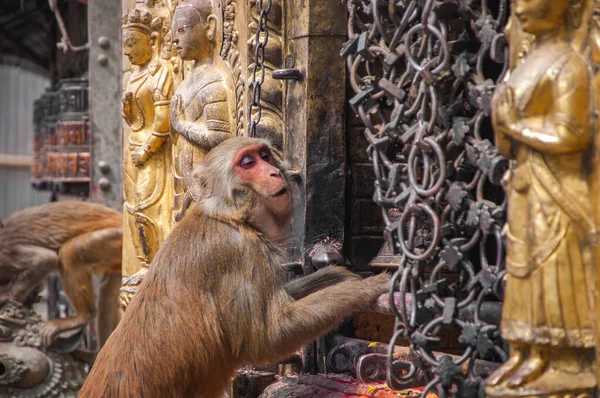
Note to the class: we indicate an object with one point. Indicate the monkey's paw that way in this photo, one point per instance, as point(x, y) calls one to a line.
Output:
point(381, 282)
point(49, 332)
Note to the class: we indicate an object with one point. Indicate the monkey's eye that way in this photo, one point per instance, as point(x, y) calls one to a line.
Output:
point(265, 155)
point(246, 162)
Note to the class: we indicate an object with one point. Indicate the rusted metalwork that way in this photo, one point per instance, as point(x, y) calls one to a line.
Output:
point(255, 84)
point(367, 361)
point(423, 74)
point(65, 41)
point(315, 142)
point(104, 21)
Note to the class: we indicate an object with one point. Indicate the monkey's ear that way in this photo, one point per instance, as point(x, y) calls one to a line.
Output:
point(204, 189)
point(1, 224)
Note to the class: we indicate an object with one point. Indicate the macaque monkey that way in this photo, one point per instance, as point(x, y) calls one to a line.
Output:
point(213, 299)
point(76, 239)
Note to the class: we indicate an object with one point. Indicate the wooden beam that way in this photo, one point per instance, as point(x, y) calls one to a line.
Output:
point(10, 160)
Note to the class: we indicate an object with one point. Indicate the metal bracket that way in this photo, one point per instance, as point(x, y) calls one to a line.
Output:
point(287, 74)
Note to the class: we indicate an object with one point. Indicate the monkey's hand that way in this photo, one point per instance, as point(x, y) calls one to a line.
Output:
point(381, 282)
point(50, 331)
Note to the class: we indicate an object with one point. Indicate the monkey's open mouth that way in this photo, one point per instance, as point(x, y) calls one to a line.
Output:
point(280, 192)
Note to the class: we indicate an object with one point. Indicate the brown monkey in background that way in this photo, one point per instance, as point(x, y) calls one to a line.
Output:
point(213, 300)
point(76, 239)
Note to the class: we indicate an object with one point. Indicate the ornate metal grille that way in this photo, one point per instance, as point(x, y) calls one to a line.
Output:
point(424, 72)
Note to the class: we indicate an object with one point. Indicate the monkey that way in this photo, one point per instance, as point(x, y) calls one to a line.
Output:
point(75, 239)
point(213, 299)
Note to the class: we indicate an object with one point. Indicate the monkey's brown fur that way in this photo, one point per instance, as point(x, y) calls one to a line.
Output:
point(77, 239)
point(212, 299)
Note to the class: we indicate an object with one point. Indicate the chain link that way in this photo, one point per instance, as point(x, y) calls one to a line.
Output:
point(423, 73)
point(262, 36)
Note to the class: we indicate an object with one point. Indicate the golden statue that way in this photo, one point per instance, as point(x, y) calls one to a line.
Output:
point(203, 109)
point(543, 116)
point(147, 179)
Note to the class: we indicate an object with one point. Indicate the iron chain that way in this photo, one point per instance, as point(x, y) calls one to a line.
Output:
point(261, 39)
point(423, 73)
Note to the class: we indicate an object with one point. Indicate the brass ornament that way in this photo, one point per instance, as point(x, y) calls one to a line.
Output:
point(147, 147)
point(203, 109)
point(147, 157)
point(543, 116)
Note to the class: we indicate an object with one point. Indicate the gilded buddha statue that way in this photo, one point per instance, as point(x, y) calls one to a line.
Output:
point(543, 116)
point(201, 114)
point(203, 107)
point(147, 178)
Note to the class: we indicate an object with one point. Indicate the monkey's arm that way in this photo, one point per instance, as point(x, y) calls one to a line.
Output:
point(297, 323)
point(325, 277)
point(80, 257)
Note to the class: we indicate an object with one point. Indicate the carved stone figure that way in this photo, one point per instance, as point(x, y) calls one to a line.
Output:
point(543, 120)
point(26, 369)
point(203, 109)
point(147, 178)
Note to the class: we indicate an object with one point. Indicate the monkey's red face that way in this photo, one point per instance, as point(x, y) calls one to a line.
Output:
point(255, 167)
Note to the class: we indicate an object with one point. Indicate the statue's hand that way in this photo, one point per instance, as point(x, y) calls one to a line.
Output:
point(139, 157)
point(176, 112)
point(126, 100)
point(216, 138)
point(505, 110)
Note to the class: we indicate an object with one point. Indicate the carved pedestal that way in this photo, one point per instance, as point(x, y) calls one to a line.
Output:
point(26, 369)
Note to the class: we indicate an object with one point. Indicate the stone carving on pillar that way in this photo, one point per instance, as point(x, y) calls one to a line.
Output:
point(147, 158)
point(28, 370)
point(204, 108)
point(544, 121)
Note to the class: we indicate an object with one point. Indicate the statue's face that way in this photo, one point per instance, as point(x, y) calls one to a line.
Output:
point(540, 16)
point(137, 46)
point(189, 34)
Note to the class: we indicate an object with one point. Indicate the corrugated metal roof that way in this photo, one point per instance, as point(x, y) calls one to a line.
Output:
point(16, 192)
point(19, 88)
